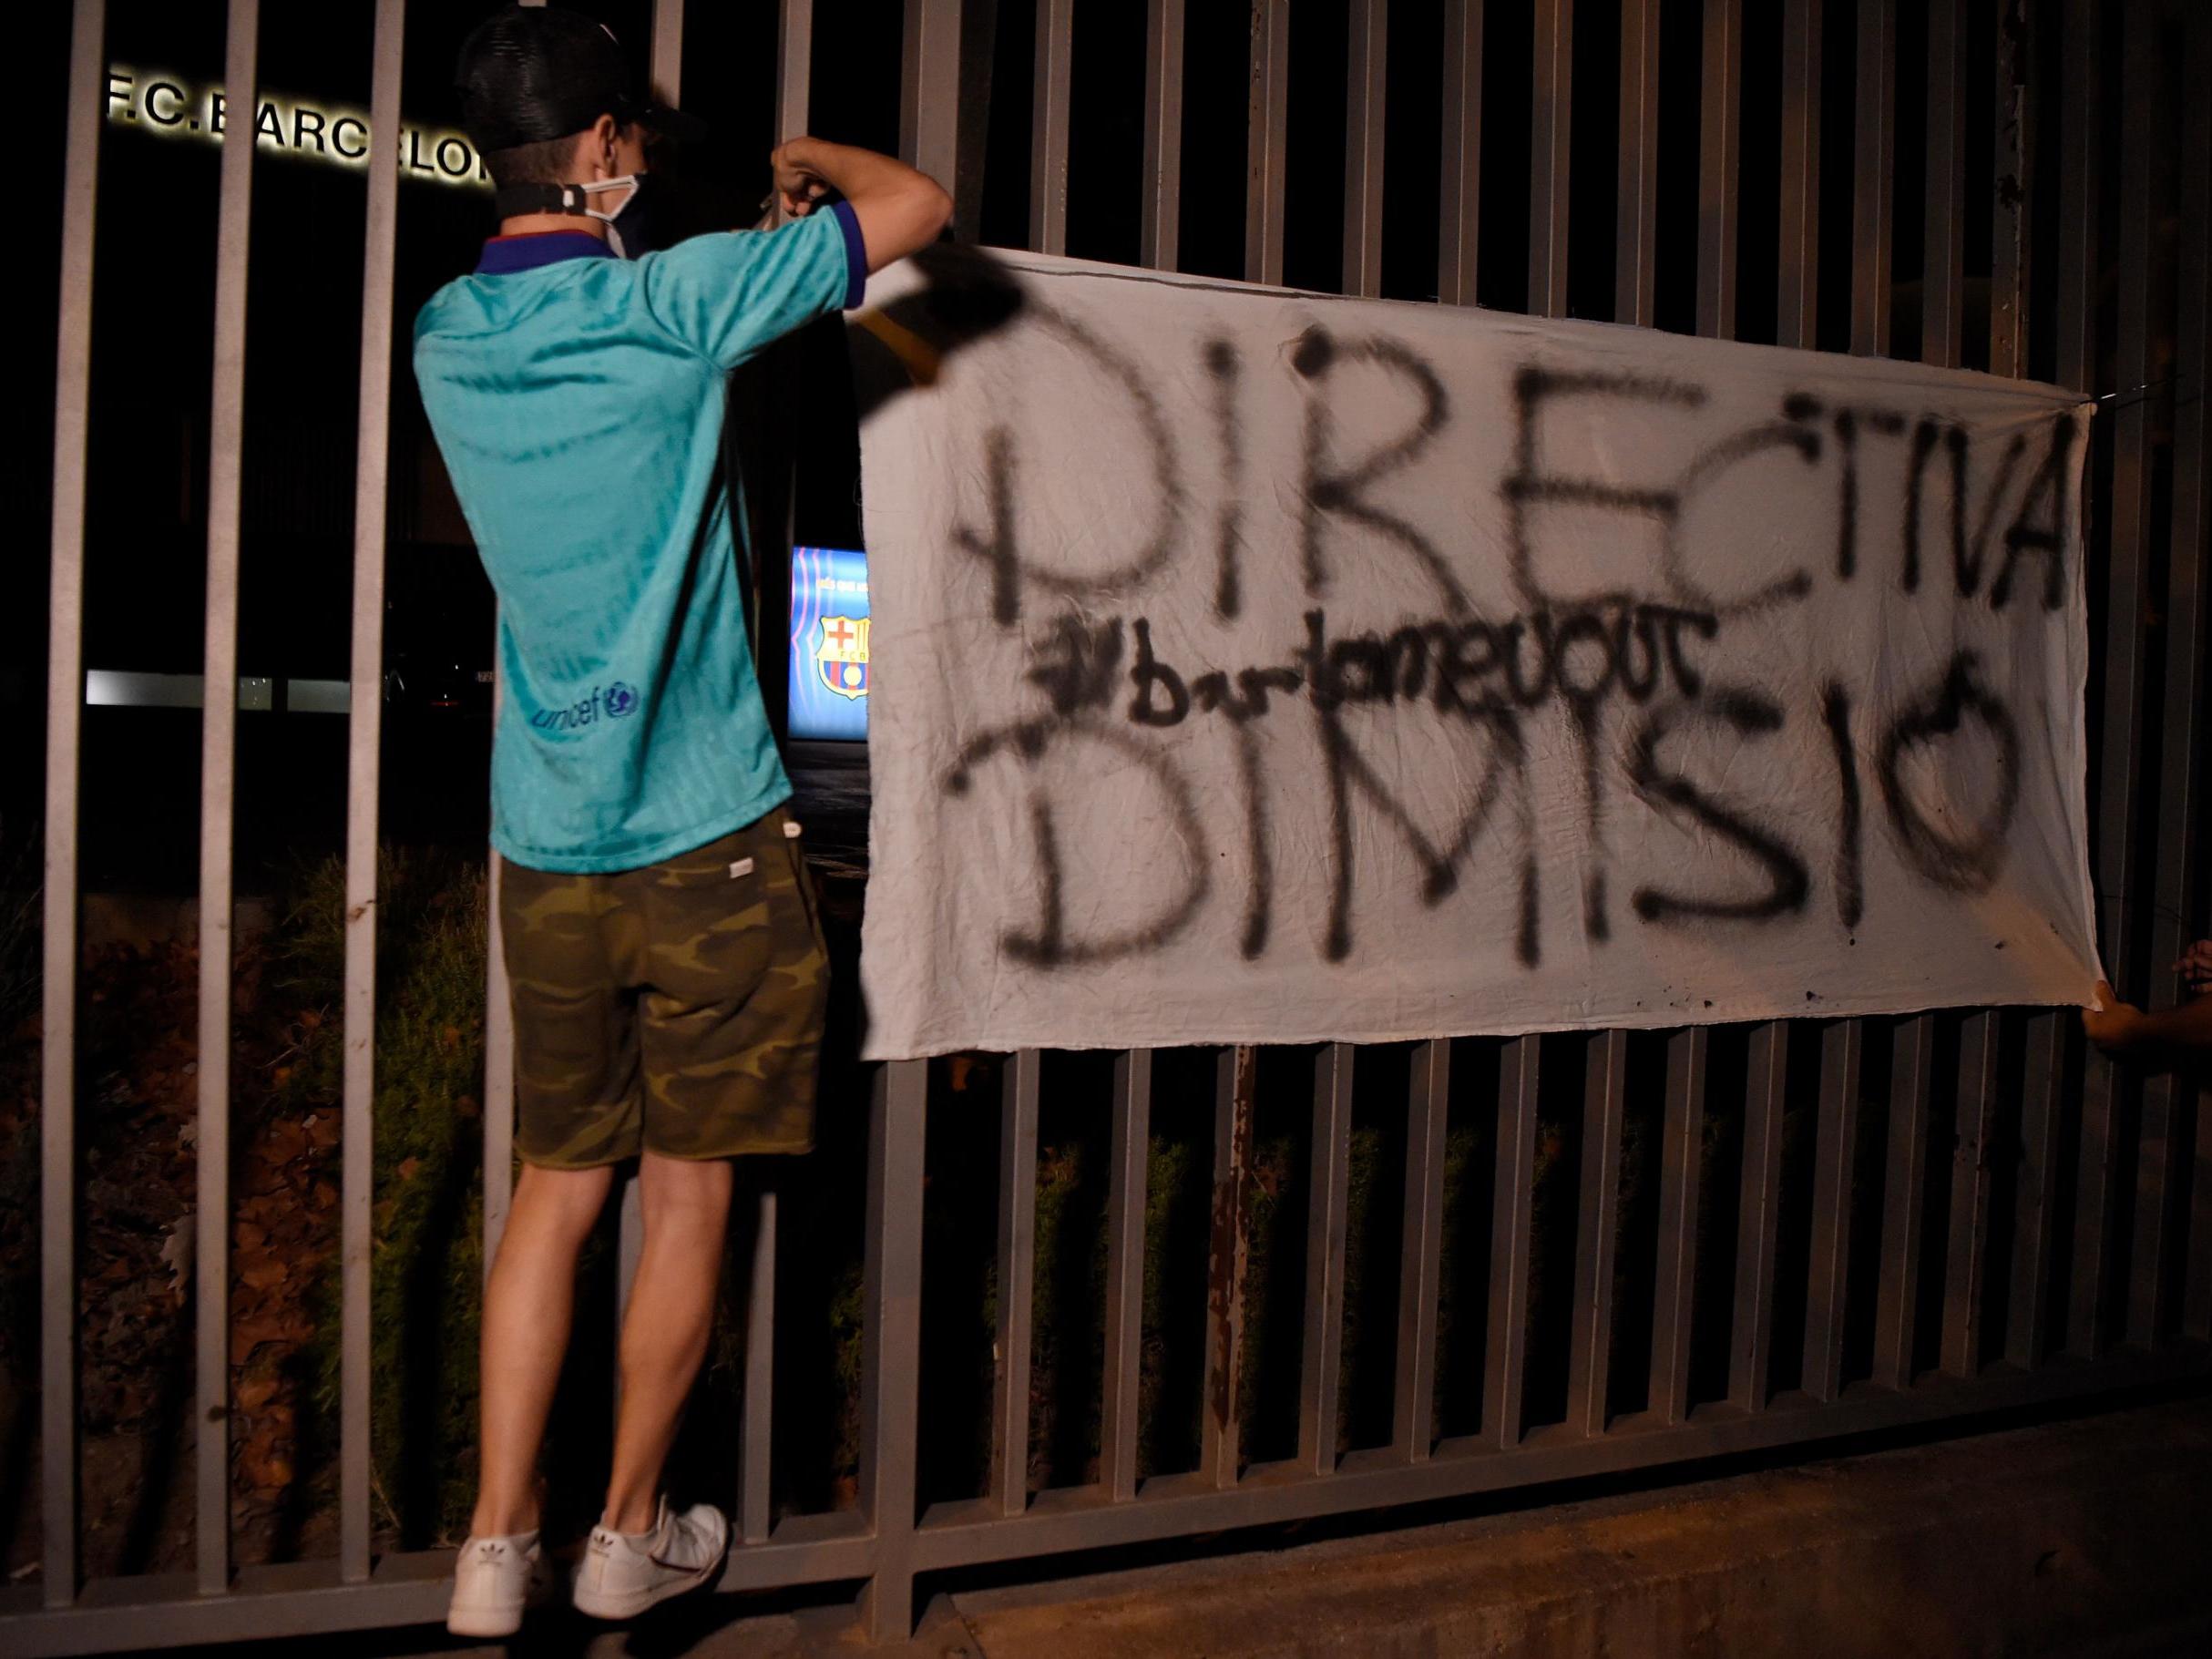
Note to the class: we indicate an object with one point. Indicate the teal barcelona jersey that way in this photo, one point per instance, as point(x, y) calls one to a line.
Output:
point(578, 401)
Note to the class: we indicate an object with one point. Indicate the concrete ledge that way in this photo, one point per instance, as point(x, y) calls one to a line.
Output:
point(2089, 1536)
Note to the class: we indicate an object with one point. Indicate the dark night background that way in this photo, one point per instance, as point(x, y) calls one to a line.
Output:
point(152, 325)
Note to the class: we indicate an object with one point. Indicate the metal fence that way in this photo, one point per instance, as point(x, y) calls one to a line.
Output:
point(2100, 1275)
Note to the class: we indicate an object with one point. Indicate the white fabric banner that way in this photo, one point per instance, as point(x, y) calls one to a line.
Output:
point(1262, 667)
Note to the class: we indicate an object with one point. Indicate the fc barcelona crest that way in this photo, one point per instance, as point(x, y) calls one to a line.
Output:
point(841, 655)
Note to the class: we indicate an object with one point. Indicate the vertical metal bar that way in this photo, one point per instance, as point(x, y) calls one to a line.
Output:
point(1512, 1202)
point(58, 1170)
point(890, 1342)
point(2119, 768)
point(1942, 297)
point(2011, 196)
point(1365, 93)
point(1751, 1348)
point(217, 783)
point(2080, 122)
point(1966, 1259)
point(1797, 304)
point(1636, 222)
point(1049, 127)
point(1552, 98)
point(1160, 236)
point(1427, 1109)
point(795, 63)
point(2035, 1190)
point(666, 67)
point(1267, 119)
point(365, 734)
point(2077, 196)
point(1829, 1262)
point(2098, 1173)
point(1897, 1300)
point(498, 1068)
point(1681, 1158)
point(499, 1042)
point(2036, 1178)
point(1941, 280)
point(1118, 1420)
point(1017, 1282)
point(2192, 481)
point(2176, 875)
point(500, 1050)
point(1221, 1439)
point(1874, 142)
point(757, 1427)
point(929, 91)
point(1321, 1359)
point(1597, 1222)
point(1459, 206)
point(1944, 239)
point(1719, 160)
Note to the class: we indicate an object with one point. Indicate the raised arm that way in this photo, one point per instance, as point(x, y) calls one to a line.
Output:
point(2178, 1036)
point(900, 210)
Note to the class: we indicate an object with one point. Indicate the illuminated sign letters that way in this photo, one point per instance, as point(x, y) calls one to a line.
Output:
point(170, 107)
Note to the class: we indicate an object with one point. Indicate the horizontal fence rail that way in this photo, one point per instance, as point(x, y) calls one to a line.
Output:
point(1948, 1213)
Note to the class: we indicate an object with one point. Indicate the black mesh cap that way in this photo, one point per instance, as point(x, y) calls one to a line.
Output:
point(531, 73)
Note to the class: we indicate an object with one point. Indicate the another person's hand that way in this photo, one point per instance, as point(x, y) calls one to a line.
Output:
point(2113, 1025)
point(2195, 967)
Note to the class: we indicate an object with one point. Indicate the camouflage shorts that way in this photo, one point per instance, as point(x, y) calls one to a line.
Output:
point(676, 1007)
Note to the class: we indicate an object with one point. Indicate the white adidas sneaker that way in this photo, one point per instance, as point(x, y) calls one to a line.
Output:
point(493, 1581)
point(624, 1573)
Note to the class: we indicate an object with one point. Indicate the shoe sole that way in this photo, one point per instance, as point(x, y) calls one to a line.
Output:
point(495, 1619)
point(489, 1621)
point(597, 1606)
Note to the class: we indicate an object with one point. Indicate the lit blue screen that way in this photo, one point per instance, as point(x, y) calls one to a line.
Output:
point(829, 642)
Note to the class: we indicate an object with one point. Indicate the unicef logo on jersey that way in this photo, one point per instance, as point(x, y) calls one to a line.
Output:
point(616, 700)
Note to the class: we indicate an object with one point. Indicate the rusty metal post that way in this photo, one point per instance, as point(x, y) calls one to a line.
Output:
point(1237, 1076)
point(1597, 1230)
point(1118, 1425)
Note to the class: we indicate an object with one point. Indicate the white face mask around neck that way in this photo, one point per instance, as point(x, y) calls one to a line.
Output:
point(628, 184)
point(512, 202)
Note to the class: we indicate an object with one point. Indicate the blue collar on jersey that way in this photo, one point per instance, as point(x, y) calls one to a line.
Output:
point(504, 254)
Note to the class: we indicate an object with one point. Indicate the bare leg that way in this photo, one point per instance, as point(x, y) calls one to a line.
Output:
point(669, 1319)
point(527, 1307)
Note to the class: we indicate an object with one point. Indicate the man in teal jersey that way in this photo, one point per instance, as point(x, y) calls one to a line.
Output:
point(666, 964)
